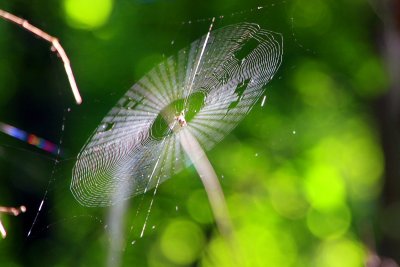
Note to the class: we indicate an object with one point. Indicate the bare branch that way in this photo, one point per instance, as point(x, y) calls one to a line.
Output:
point(2, 230)
point(56, 47)
point(11, 211)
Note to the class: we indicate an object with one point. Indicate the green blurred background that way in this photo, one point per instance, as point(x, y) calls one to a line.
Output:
point(311, 178)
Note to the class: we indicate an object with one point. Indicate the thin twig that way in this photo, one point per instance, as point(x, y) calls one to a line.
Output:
point(56, 47)
point(11, 211)
point(2, 230)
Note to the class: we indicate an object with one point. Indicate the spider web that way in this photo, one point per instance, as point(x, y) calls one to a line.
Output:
point(215, 82)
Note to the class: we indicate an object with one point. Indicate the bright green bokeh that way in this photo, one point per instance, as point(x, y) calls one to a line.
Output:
point(324, 187)
point(362, 159)
point(354, 157)
point(257, 245)
point(182, 241)
point(87, 14)
point(341, 253)
point(218, 254)
point(329, 224)
point(260, 237)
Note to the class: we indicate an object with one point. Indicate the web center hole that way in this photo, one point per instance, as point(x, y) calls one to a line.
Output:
point(170, 118)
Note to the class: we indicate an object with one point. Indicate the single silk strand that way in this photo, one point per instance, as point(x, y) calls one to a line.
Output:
point(199, 61)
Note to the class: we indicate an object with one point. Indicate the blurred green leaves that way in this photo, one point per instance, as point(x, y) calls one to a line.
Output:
point(182, 242)
point(87, 14)
point(199, 208)
point(344, 252)
point(324, 187)
point(314, 15)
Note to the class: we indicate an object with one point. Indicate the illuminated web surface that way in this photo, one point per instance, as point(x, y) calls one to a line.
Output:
point(214, 83)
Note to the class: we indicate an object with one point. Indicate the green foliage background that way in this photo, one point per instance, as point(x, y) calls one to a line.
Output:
point(302, 175)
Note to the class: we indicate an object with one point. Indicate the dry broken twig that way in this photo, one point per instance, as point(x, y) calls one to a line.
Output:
point(56, 47)
point(11, 211)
